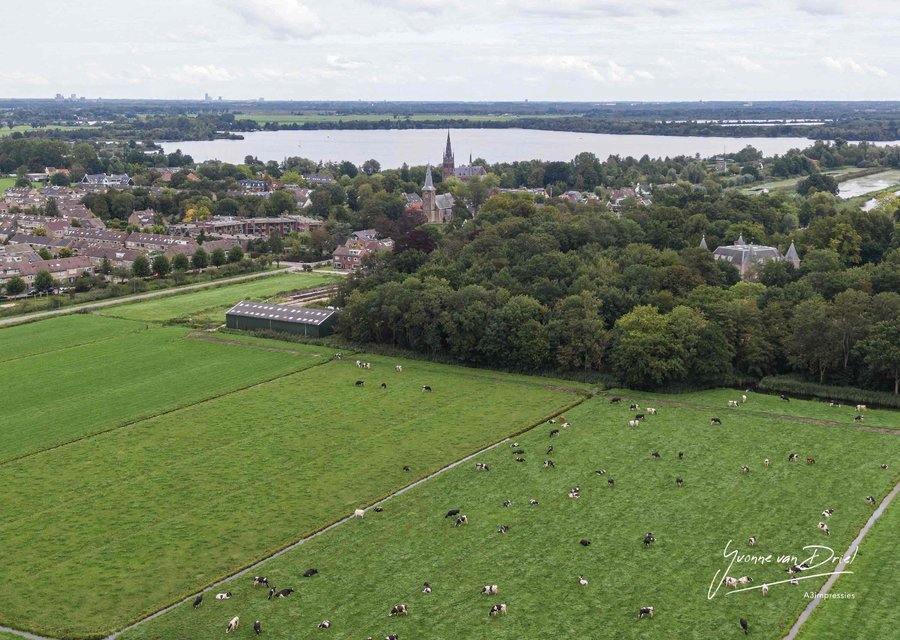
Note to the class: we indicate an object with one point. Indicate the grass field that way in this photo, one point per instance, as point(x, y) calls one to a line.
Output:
point(106, 529)
point(69, 393)
point(60, 333)
point(25, 128)
point(366, 566)
point(211, 304)
point(873, 611)
point(9, 183)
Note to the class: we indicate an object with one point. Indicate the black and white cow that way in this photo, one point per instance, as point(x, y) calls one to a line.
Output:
point(426, 588)
point(615, 400)
point(223, 596)
point(257, 627)
point(824, 528)
point(399, 610)
point(480, 466)
point(554, 432)
point(715, 421)
point(498, 610)
point(461, 520)
point(360, 383)
point(452, 513)
point(752, 540)
point(681, 455)
point(309, 573)
point(584, 542)
point(232, 624)
point(679, 482)
point(549, 464)
point(427, 388)
point(645, 611)
point(870, 500)
point(258, 580)
point(198, 600)
point(325, 624)
point(284, 593)
point(649, 539)
point(507, 503)
point(489, 590)
point(503, 528)
point(655, 455)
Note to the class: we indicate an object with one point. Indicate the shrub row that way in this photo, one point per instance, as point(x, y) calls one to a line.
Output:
point(801, 388)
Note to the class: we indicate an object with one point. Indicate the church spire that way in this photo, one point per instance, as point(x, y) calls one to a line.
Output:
point(448, 166)
point(429, 184)
point(703, 242)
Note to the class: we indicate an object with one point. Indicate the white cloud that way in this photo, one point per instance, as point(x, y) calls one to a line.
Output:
point(20, 77)
point(610, 71)
point(339, 62)
point(746, 63)
point(284, 19)
point(201, 73)
point(820, 7)
point(418, 6)
point(851, 65)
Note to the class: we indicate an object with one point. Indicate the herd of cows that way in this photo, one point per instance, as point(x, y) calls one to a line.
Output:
point(460, 519)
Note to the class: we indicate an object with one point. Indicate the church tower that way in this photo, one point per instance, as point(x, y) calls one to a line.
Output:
point(429, 206)
point(448, 166)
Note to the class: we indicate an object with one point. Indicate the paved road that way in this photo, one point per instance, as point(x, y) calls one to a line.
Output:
point(842, 564)
point(29, 317)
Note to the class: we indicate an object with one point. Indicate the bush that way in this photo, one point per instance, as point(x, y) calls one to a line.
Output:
point(793, 386)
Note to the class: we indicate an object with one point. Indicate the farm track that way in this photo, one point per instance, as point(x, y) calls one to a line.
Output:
point(171, 410)
point(776, 416)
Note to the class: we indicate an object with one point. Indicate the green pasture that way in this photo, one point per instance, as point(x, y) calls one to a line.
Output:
point(64, 394)
point(65, 332)
point(105, 530)
point(367, 566)
point(214, 302)
point(25, 128)
point(9, 183)
point(872, 611)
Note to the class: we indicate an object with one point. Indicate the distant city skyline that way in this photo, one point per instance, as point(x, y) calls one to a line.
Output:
point(564, 50)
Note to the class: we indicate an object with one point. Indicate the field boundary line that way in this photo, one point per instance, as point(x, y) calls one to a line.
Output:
point(315, 534)
point(180, 407)
point(795, 629)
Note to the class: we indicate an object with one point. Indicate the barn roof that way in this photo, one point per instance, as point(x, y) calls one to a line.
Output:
point(300, 315)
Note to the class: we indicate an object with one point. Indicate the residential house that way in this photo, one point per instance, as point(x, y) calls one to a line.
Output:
point(318, 178)
point(108, 180)
point(349, 256)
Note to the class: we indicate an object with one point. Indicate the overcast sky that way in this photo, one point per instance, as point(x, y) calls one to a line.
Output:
point(592, 50)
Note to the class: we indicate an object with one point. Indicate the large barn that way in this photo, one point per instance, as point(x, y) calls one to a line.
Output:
point(258, 316)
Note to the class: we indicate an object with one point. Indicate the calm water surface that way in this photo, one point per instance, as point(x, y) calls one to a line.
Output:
point(419, 146)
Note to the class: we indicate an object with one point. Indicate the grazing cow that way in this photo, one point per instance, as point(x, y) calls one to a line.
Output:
point(503, 528)
point(359, 363)
point(518, 459)
point(744, 625)
point(359, 513)
point(615, 400)
point(514, 445)
point(796, 568)
point(309, 573)
point(715, 421)
point(257, 627)
point(452, 513)
point(480, 466)
point(399, 610)
point(383, 386)
point(338, 356)
point(463, 519)
point(648, 540)
point(584, 542)
point(859, 418)
point(551, 421)
point(861, 407)
point(498, 610)
point(834, 404)
point(548, 464)
point(766, 462)
point(732, 403)
point(549, 449)
point(398, 368)
point(378, 509)
point(745, 580)
point(507, 503)
point(810, 460)
point(743, 399)
point(610, 483)
point(360, 383)
point(634, 407)
point(565, 425)
point(731, 582)
point(198, 600)
point(752, 541)
point(795, 581)
point(745, 469)
point(573, 493)
point(232, 624)
point(425, 387)
point(824, 528)
point(651, 411)
point(784, 397)
point(284, 593)
point(655, 455)
point(223, 596)
point(793, 457)
point(679, 482)
point(390, 637)
point(325, 624)
point(870, 501)
point(884, 467)
point(258, 580)
point(681, 455)
point(765, 589)
point(426, 588)
point(271, 593)
point(406, 467)
point(828, 513)
point(519, 452)
point(489, 590)
point(634, 423)
point(582, 581)
point(645, 611)
point(639, 416)
point(532, 502)
point(601, 472)
point(554, 432)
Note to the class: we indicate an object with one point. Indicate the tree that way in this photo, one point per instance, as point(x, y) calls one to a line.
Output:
point(818, 182)
point(643, 352)
point(276, 243)
point(235, 254)
point(200, 259)
point(45, 254)
point(105, 266)
point(371, 167)
point(15, 286)
point(814, 343)
point(59, 179)
point(140, 268)
point(52, 208)
point(43, 281)
point(65, 252)
point(849, 312)
point(180, 262)
point(161, 266)
point(577, 332)
point(882, 349)
point(218, 257)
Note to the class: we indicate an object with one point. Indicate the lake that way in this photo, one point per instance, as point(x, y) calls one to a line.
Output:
point(393, 147)
point(868, 184)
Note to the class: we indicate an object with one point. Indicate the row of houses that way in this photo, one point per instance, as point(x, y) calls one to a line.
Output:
point(242, 227)
point(349, 256)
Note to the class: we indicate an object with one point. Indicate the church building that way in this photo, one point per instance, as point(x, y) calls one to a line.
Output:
point(464, 172)
point(437, 208)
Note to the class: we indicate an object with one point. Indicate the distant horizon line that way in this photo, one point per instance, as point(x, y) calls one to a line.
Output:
point(264, 100)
